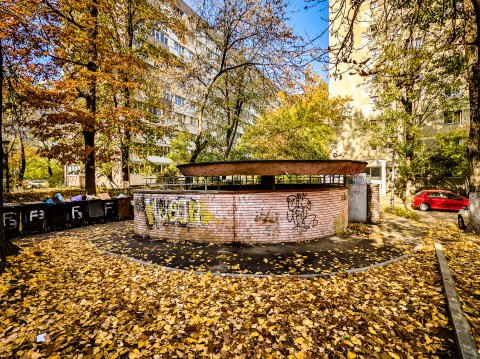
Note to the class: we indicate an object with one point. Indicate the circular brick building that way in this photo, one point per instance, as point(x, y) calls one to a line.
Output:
point(249, 202)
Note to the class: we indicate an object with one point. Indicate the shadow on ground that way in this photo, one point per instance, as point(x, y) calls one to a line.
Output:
point(361, 246)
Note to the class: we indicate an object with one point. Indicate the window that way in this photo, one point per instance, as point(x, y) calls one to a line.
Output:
point(178, 47)
point(373, 4)
point(178, 100)
point(452, 91)
point(180, 13)
point(452, 117)
point(374, 172)
point(167, 96)
point(453, 196)
point(160, 36)
point(155, 111)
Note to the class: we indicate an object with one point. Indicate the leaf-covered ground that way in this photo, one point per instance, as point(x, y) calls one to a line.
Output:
point(89, 305)
point(463, 254)
point(362, 246)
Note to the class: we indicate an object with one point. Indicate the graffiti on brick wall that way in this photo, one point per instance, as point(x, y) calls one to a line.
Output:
point(180, 211)
point(299, 207)
point(266, 217)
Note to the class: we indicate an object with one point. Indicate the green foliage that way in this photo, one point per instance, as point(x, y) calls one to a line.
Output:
point(414, 84)
point(402, 212)
point(300, 128)
point(179, 152)
point(448, 158)
point(37, 169)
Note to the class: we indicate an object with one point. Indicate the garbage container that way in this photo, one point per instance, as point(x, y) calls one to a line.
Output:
point(111, 209)
point(124, 208)
point(77, 213)
point(33, 218)
point(11, 219)
point(96, 211)
point(56, 214)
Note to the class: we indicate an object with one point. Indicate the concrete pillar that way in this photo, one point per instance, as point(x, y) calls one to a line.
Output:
point(357, 198)
point(267, 182)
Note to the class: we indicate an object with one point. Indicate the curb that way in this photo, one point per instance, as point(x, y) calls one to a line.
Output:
point(463, 337)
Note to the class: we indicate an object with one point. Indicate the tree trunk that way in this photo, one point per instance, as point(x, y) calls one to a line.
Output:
point(89, 138)
point(410, 141)
point(91, 104)
point(49, 168)
point(125, 143)
point(125, 155)
point(473, 147)
point(232, 129)
point(3, 244)
point(199, 147)
point(7, 248)
point(23, 163)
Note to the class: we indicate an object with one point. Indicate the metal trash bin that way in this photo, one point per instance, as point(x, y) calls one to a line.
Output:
point(11, 219)
point(77, 213)
point(34, 218)
point(124, 208)
point(56, 216)
point(111, 209)
point(96, 211)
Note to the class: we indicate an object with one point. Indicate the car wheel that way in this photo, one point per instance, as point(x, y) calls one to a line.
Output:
point(423, 207)
point(461, 223)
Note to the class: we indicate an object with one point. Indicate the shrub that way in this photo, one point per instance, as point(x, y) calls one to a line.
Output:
point(402, 212)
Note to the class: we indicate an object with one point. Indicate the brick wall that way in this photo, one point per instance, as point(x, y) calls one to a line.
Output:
point(248, 217)
point(373, 203)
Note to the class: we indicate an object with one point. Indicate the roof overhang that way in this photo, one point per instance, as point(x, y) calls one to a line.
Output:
point(274, 168)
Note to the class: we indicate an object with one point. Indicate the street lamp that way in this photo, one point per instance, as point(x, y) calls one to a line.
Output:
point(5, 144)
point(393, 140)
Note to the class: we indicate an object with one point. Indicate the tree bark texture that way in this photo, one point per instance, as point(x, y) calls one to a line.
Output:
point(473, 79)
point(7, 248)
point(89, 129)
point(23, 163)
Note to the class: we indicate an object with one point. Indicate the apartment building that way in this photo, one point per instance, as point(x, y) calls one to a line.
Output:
point(179, 108)
point(354, 142)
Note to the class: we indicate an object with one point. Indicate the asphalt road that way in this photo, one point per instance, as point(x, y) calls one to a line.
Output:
point(429, 216)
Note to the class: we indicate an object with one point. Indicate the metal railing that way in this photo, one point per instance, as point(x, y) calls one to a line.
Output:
point(238, 182)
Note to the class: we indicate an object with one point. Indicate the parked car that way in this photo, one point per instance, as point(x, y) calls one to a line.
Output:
point(438, 199)
point(462, 219)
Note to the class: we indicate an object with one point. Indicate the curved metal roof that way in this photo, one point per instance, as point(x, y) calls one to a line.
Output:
point(273, 168)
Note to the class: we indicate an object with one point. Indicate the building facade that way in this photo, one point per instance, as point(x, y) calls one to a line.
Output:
point(348, 79)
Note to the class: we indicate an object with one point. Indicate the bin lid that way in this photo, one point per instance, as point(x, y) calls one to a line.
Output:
point(36, 203)
point(11, 204)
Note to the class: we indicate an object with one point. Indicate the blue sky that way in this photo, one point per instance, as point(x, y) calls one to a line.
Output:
point(310, 23)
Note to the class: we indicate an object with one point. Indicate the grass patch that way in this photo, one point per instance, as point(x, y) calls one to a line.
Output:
point(402, 212)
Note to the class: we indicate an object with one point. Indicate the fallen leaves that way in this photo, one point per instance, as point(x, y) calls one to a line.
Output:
point(105, 306)
point(463, 254)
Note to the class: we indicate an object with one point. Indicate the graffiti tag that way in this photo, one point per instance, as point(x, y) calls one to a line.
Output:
point(265, 217)
point(298, 207)
point(180, 211)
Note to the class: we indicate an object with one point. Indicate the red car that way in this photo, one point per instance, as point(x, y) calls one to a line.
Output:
point(438, 199)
